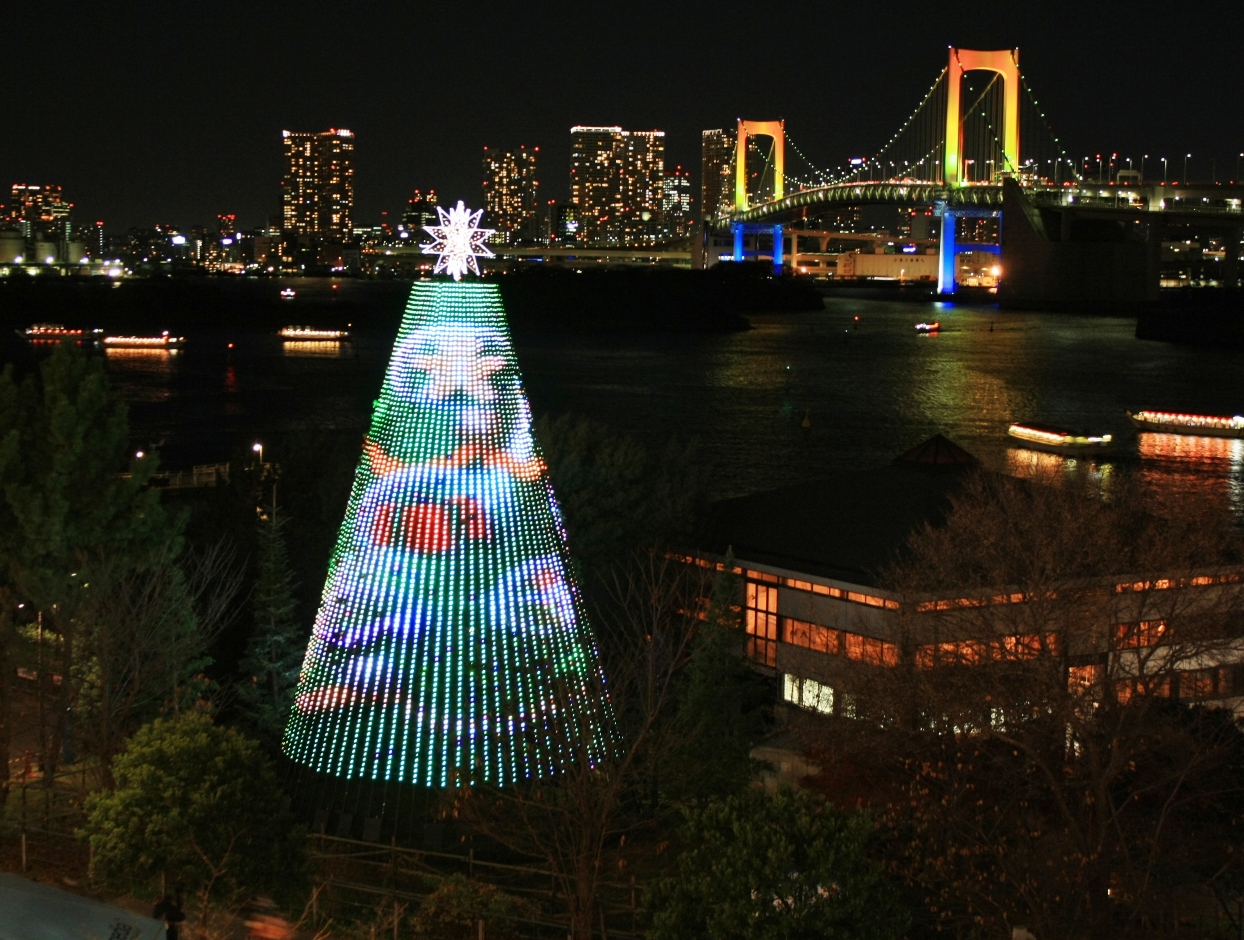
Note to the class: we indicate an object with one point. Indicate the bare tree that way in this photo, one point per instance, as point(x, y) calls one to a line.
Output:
point(597, 820)
point(144, 635)
point(1053, 634)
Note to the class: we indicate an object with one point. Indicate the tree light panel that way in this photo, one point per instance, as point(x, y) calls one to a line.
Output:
point(450, 645)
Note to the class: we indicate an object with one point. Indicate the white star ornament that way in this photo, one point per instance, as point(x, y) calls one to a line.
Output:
point(458, 240)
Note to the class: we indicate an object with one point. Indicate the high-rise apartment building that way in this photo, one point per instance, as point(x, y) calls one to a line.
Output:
point(318, 189)
point(716, 172)
point(617, 180)
point(595, 182)
point(643, 186)
point(676, 203)
point(511, 195)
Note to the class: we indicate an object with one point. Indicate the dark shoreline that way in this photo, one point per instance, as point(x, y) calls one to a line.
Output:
point(620, 300)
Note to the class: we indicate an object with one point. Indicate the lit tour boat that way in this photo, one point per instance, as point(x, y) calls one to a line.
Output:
point(1059, 441)
point(163, 341)
point(310, 332)
point(933, 327)
point(1166, 422)
point(288, 294)
point(38, 332)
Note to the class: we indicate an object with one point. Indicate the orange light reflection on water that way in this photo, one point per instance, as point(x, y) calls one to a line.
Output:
point(1207, 466)
point(315, 348)
point(143, 375)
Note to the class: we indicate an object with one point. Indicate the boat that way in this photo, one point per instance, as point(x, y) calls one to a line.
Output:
point(288, 294)
point(1166, 422)
point(1060, 441)
point(55, 332)
point(163, 341)
point(933, 327)
point(312, 333)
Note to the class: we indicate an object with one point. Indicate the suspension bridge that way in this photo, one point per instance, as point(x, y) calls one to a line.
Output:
point(979, 145)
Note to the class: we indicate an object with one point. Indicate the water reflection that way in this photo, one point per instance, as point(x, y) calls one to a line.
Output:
point(143, 375)
point(314, 348)
point(1207, 466)
point(1042, 466)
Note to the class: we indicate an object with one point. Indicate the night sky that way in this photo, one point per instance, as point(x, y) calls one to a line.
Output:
point(172, 112)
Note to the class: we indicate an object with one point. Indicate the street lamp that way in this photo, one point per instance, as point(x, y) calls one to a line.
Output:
point(1164, 171)
point(1186, 156)
point(257, 447)
point(1142, 166)
point(1237, 167)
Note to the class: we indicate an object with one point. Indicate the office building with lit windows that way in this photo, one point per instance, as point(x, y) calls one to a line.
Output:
point(511, 195)
point(617, 182)
point(40, 211)
point(317, 192)
point(817, 617)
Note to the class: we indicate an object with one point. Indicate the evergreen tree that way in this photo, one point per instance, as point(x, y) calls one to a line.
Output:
point(199, 804)
point(782, 866)
point(66, 510)
point(275, 651)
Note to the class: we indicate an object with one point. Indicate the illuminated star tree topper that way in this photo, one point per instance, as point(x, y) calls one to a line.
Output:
point(457, 240)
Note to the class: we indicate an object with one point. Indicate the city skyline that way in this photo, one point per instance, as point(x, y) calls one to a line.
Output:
point(135, 141)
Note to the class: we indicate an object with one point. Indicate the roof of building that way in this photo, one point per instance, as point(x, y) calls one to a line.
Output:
point(849, 526)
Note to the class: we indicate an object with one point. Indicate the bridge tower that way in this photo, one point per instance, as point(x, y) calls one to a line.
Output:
point(777, 131)
point(1005, 62)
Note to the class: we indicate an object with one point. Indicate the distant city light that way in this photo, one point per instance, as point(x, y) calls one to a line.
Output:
point(179, 239)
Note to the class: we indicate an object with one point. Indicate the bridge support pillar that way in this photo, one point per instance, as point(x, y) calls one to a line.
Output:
point(946, 252)
point(779, 236)
point(737, 229)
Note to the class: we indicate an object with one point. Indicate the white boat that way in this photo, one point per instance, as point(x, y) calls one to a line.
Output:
point(1060, 441)
point(312, 333)
point(163, 341)
point(288, 294)
point(55, 332)
point(1166, 422)
point(934, 327)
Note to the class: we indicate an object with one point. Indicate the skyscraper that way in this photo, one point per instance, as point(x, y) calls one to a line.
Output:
point(595, 182)
point(643, 186)
point(511, 197)
point(616, 182)
point(40, 210)
point(420, 211)
point(676, 203)
point(318, 189)
point(716, 172)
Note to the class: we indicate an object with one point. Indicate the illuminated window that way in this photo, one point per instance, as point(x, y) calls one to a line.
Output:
point(1144, 633)
point(809, 694)
point(761, 621)
point(870, 650)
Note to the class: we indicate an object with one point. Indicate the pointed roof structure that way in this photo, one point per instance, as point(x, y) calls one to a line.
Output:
point(937, 451)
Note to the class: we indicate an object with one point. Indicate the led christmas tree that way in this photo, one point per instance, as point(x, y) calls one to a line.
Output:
point(451, 644)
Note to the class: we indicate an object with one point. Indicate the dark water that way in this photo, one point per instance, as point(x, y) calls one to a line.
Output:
point(869, 390)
